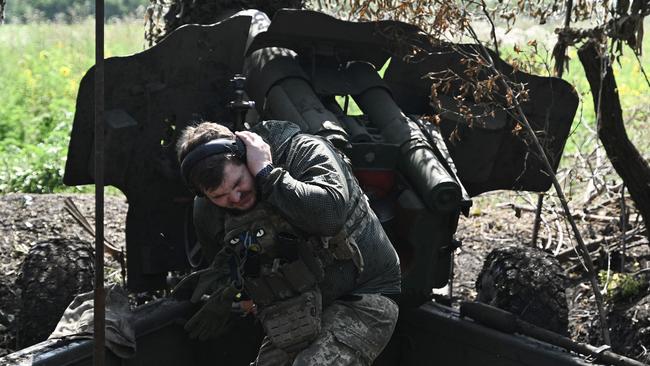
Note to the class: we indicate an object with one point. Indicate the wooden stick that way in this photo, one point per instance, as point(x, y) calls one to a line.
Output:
point(576, 215)
point(73, 210)
point(594, 244)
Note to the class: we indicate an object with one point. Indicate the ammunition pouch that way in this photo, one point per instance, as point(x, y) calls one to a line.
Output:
point(283, 281)
point(293, 324)
point(341, 247)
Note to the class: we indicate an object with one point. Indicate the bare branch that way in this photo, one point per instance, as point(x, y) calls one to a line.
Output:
point(493, 30)
point(584, 252)
point(559, 51)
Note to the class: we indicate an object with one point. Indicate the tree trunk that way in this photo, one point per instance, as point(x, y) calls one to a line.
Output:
point(624, 156)
point(2, 11)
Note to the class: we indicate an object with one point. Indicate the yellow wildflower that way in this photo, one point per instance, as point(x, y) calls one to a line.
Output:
point(72, 87)
point(64, 71)
point(43, 55)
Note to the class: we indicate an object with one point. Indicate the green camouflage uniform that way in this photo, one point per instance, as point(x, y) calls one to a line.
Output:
point(352, 333)
point(314, 189)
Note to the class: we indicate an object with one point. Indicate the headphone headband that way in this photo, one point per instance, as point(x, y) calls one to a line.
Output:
point(212, 147)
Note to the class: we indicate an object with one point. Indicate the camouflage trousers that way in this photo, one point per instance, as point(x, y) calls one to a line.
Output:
point(353, 332)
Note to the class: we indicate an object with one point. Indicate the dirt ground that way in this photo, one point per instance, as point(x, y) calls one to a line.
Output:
point(28, 219)
point(493, 222)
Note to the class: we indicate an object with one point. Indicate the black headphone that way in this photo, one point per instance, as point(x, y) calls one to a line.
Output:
point(212, 147)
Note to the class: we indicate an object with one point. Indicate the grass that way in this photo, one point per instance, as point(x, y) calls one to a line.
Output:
point(40, 71)
point(633, 90)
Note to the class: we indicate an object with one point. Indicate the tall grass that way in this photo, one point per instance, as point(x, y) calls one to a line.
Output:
point(40, 69)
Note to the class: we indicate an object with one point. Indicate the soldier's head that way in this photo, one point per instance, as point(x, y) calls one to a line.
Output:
point(213, 164)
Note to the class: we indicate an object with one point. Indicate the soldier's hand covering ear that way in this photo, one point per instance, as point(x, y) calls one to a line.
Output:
point(213, 316)
point(258, 152)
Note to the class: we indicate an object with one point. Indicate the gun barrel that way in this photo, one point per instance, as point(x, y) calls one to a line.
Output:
point(437, 187)
point(293, 99)
point(418, 162)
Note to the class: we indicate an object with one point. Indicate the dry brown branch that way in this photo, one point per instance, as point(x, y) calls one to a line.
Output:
point(72, 209)
point(624, 156)
point(596, 253)
point(576, 215)
point(109, 248)
point(595, 244)
point(560, 239)
point(623, 226)
point(493, 32)
point(536, 145)
point(538, 218)
point(559, 51)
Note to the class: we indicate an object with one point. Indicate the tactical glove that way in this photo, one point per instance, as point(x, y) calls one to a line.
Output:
point(213, 316)
point(213, 278)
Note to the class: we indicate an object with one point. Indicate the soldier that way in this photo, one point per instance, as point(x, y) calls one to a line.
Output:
point(288, 225)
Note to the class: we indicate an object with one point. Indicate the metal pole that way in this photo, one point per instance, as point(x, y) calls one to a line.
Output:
point(99, 309)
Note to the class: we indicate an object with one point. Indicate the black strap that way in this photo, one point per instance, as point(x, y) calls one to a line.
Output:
point(212, 147)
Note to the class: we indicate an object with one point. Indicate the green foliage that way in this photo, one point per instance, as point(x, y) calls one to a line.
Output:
point(25, 11)
point(41, 67)
point(35, 168)
point(620, 286)
point(532, 53)
point(633, 93)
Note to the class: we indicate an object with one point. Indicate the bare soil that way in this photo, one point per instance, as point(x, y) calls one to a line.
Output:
point(31, 218)
point(28, 219)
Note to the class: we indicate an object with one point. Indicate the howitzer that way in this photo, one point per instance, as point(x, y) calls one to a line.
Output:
point(294, 72)
point(296, 66)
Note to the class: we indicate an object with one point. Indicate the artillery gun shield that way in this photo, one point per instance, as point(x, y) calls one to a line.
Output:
point(488, 154)
point(150, 98)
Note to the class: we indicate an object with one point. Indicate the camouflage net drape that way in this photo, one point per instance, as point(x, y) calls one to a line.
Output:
point(163, 16)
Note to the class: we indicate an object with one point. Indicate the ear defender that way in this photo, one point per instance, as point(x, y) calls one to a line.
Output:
point(210, 148)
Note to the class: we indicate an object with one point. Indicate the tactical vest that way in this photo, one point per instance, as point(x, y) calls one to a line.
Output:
point(279, 268)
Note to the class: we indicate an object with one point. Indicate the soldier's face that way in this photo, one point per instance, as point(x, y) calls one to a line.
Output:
point(237, 191)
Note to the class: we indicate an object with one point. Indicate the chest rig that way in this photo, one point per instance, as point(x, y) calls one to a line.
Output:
point(269, 259)
point(279, 268)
